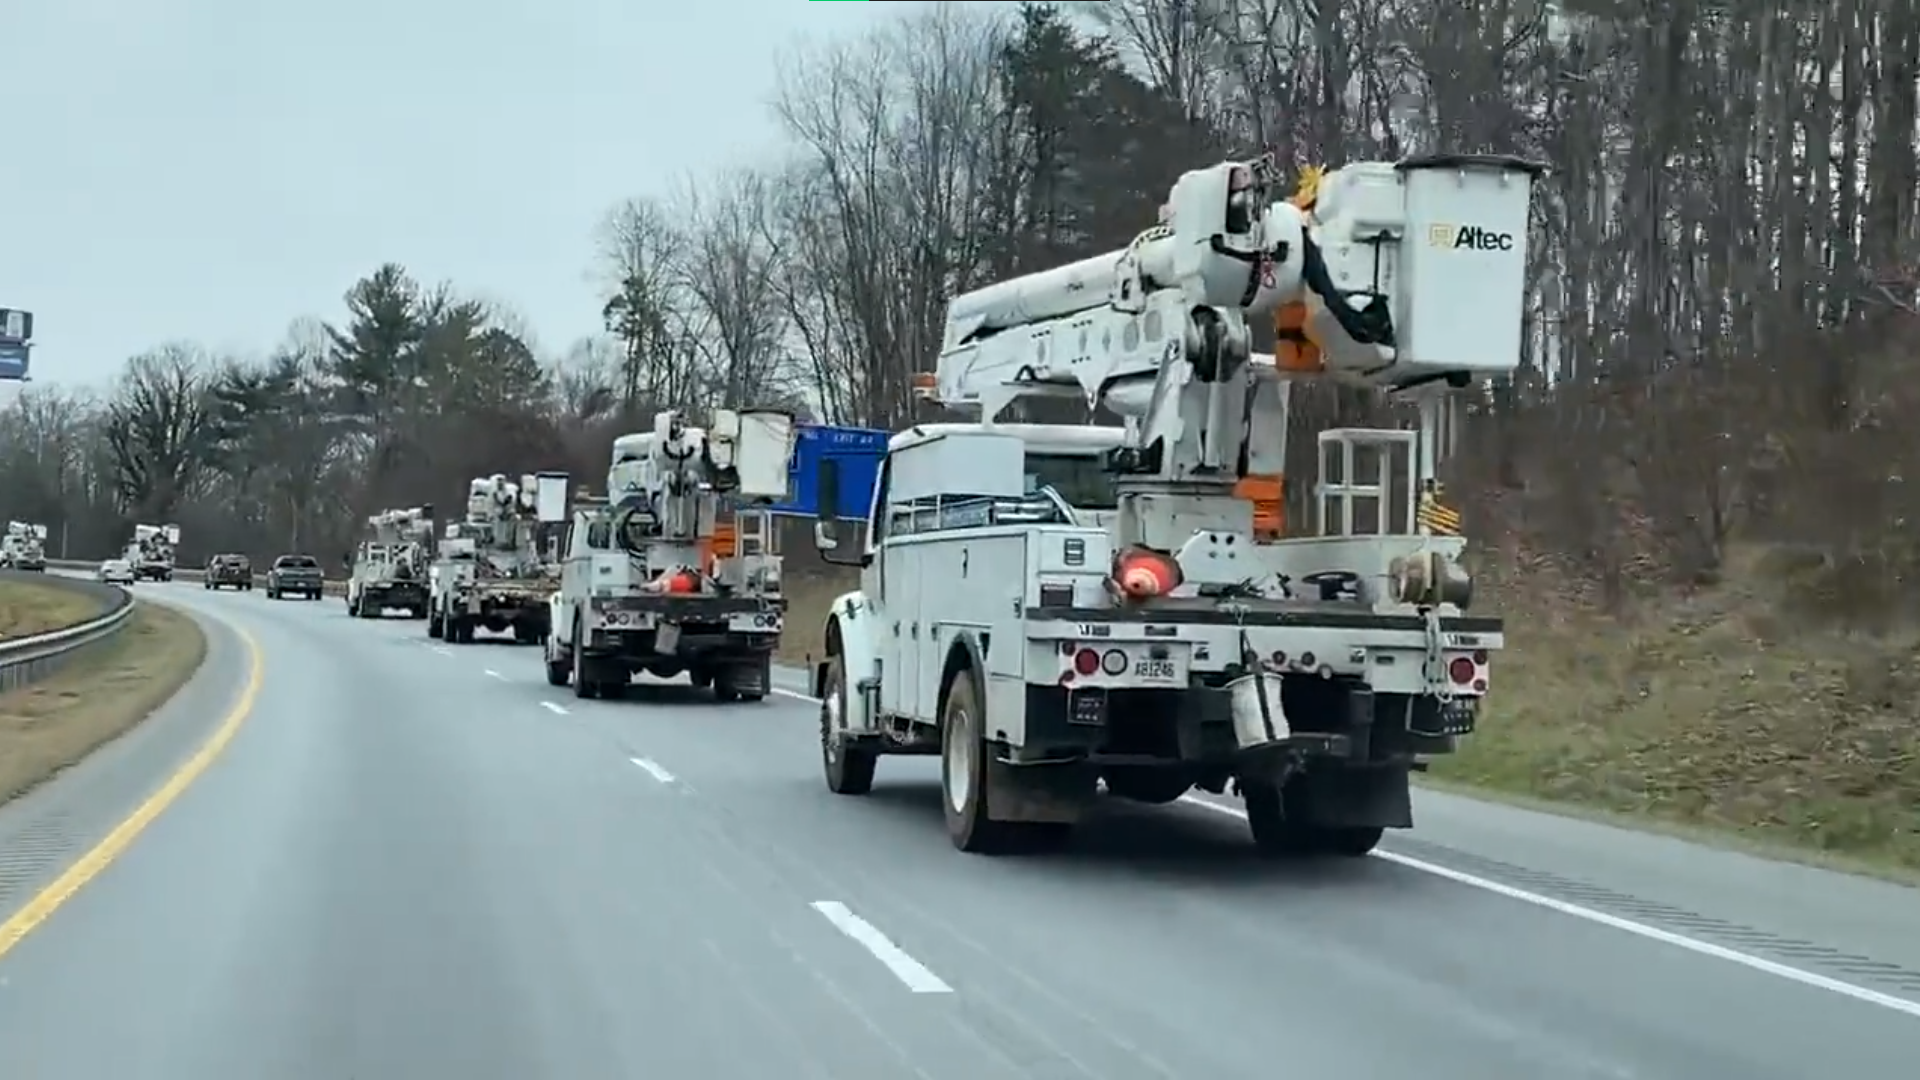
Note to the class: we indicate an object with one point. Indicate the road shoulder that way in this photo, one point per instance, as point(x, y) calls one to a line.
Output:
point(45, 830)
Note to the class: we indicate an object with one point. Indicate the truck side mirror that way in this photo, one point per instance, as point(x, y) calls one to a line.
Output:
point(826, 512)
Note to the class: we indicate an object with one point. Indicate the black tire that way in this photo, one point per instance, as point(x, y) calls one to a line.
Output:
point(964, 751)
point(1267, 820)
point(1348, 841)
point(847, 764)
point(615, 689)
point(1275, 834)
point(582, 686)
point(558, 671)
point(724, 692)
point(436, 628)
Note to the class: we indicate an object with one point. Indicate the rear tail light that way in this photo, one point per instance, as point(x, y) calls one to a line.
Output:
point(1140, 573)
point(1461, 670)
point(1086, 661)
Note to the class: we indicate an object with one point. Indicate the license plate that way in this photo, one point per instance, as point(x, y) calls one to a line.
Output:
point(1154, 670)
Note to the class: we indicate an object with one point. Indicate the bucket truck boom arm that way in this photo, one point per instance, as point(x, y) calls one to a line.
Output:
point(1397, 275)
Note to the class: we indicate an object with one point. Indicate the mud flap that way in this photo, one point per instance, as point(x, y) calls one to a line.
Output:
point(1337, 795)
point(751, 677)
point(1054, 792)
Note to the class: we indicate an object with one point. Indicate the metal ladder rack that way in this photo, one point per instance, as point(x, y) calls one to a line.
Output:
point(755, 533)
point(1341, 454)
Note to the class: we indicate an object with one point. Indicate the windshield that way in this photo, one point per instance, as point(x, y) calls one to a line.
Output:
point(1081, 479)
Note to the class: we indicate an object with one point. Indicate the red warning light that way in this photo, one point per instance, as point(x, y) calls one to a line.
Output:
point(1139, 573)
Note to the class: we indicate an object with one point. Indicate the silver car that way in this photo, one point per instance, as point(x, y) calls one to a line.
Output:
point(115, 572)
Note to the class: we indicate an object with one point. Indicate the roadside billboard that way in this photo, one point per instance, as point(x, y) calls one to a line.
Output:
point(16, 334)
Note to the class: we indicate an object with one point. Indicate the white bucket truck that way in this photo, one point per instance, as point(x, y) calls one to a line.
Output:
point(1149, 645)
point(642, 590)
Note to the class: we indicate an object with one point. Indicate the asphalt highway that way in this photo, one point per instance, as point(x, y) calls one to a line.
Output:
point(419, 861)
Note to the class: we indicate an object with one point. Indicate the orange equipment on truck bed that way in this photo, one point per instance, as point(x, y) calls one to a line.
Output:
point(1268, 496)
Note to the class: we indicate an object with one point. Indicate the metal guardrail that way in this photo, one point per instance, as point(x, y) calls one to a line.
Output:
point(28, 659)
point(334, 586)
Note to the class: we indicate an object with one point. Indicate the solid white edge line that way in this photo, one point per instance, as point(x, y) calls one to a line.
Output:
point(905, 968)
point(654, 769)
point(552, 708)
point(1865, 995)
point(1638, 929)
point(795, 694)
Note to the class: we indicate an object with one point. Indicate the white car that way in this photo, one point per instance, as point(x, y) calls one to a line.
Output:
point(115, 572)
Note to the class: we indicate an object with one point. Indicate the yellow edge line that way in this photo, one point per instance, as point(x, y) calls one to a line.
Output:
point(114, 844)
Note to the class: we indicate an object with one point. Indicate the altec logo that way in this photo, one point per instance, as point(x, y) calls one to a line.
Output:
point(1469, 237)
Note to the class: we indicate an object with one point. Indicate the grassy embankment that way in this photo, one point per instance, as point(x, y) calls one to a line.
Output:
point(52, 724)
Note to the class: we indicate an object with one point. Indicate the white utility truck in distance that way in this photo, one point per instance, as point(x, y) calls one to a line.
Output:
point(151, 551)
point(641, 588)
point(390, 565)
point(493, 571)
point(24, 547)
point(1041, 650)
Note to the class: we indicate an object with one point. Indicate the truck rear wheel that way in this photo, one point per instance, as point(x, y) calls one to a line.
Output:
point(435, 626)
point(848, 765)
point(744, 681)
point(1274, 833)
point(965, 769)
point(583, 687)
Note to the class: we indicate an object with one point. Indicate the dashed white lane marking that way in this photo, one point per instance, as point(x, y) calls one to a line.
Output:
point(1761, 964)
point(552, 708)
point(443, 650)
point(1638, 929)
point(905, 968)
point(492, 674)
point(654, 769)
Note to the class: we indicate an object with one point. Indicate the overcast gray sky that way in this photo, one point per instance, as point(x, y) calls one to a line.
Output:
point(213, 169)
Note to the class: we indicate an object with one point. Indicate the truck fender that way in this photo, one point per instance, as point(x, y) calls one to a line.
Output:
point(559, 618)
point(852, 634)
point(963, 654)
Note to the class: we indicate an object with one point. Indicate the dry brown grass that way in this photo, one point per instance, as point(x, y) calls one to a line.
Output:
point(28, 608)
point(54, 723)
point(1711, 711)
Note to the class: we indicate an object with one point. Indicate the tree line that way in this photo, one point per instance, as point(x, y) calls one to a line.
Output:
point(1720, 315)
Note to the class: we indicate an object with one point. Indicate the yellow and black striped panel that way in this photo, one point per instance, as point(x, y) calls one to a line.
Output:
point(1436, 518)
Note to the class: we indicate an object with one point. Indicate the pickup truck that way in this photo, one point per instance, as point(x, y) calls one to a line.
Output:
point(299, 575)
point(229, 571)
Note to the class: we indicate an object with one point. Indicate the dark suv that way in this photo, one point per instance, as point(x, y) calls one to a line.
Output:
point(296, 574)
point(235, 571)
